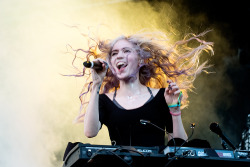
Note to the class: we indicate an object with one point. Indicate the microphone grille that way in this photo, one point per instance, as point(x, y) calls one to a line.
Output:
point(214, 127)
point(144, 122)
point(87, 64)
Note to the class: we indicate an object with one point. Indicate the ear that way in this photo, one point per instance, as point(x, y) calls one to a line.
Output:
point(141, 61)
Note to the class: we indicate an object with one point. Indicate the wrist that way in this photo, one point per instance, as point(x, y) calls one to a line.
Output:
point(96, 84)
point(96, 87)
point(175, 111)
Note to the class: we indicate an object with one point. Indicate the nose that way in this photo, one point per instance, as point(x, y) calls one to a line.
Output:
point(120, 55)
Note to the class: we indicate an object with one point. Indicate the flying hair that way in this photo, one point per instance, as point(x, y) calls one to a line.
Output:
point(161, 60)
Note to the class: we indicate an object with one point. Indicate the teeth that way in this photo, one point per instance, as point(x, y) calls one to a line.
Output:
point(119, 65)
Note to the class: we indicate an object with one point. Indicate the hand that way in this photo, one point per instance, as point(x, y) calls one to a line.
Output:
point(99, 75)
point(172, 94)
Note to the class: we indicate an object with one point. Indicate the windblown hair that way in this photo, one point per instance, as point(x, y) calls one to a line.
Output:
point(179, 61)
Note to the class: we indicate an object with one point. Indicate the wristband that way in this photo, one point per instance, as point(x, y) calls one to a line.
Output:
point(178, 104)
point(174, 114)
point(174, 105)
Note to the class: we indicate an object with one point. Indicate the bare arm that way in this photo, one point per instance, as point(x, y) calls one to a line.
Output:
point(92, 124)
point(178, 128)
point(91, 118)
point(171, 95)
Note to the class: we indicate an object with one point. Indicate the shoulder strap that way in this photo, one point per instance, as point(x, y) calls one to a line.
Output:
point(150, 92)
point(114, 94)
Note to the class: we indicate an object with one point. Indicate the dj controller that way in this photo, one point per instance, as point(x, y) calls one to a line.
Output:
point(87, 155)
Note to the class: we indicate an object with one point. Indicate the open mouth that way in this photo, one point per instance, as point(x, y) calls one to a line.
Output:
point(121, 65)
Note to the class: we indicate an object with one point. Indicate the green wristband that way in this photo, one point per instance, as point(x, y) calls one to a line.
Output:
point(178, 103)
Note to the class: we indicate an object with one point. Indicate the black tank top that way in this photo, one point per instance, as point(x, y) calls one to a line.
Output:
point(118, 105)
point(125, 127)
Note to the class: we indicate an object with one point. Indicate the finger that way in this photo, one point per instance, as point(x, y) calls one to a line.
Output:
point(174, 88)
point(169, 81)
point(174, 92)
point(98, 60)
point(101, 60)
point(177, 92)
point(172, 84)
point(167, 91)
point(104, 63)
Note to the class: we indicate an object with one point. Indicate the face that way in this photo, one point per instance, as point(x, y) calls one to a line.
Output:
point(124, 59)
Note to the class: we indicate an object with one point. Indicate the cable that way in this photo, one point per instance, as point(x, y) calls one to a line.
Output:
point(113, 153)
point(129, 150)
point(120, 158)
point(144, 122)
point(173, 158)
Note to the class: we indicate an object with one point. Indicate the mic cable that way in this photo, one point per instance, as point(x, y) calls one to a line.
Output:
point(145, 122)
point(192, 126)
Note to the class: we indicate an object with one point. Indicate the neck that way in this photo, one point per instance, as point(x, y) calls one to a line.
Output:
point(131, 88)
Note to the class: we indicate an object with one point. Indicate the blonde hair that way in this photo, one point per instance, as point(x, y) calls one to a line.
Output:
point(179, 61)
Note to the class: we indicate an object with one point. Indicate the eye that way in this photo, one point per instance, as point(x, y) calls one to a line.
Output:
point(113, 53)
point(126, 51)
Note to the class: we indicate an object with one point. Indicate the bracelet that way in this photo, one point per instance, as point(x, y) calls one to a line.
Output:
point(174, 105)
point(178, 103)
point(174, 113)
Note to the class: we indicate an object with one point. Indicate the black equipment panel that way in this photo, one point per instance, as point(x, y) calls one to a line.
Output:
point(87, 155)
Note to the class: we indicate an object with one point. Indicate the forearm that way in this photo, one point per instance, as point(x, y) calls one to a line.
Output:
point(178, 128)
point(91, 118)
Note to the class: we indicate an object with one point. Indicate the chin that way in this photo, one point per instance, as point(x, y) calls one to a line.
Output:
point(127, 78)
point(122, 75)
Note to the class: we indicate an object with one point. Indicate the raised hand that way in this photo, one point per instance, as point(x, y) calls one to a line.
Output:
point(98, 75)
point(173, 97)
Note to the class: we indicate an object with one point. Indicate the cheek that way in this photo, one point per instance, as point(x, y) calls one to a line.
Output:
point(133, 59)
point(112, 61)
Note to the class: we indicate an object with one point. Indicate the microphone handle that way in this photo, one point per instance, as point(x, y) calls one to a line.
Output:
point(96, 65)
point(227, 141)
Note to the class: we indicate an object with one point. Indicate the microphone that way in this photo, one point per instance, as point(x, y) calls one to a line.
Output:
point(214, 127)
point(96, 65)
point(145, 122)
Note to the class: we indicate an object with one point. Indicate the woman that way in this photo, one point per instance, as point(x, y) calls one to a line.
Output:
point(142, 83)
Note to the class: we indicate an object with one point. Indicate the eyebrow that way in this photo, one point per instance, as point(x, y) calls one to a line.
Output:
point(121, 49)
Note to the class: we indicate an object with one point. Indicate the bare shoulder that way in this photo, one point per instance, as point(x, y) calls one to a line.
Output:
point(110, 95)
